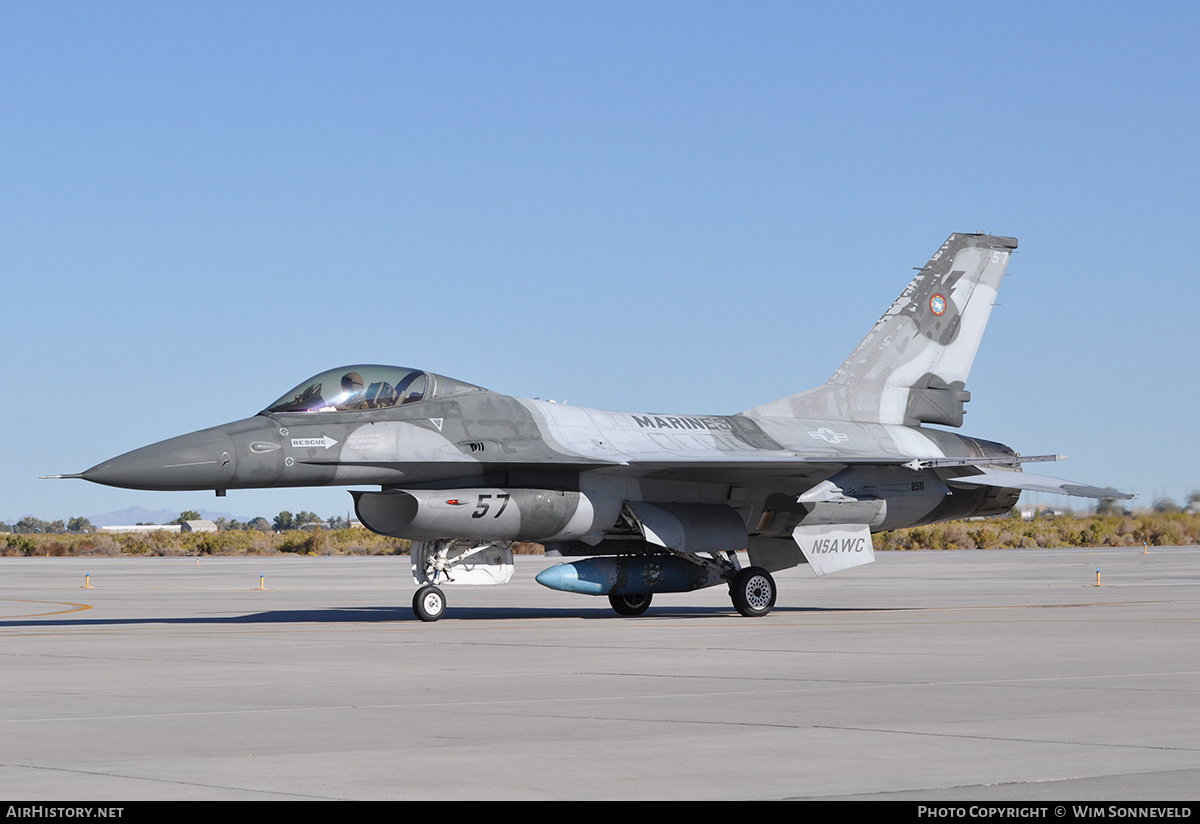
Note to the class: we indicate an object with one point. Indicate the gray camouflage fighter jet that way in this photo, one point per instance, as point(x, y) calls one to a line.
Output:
point(649, 503)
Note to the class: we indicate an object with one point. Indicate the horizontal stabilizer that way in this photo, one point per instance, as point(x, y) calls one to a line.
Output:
point(1038, 483)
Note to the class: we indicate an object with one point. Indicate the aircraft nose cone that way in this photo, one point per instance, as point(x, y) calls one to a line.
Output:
point(201, 460)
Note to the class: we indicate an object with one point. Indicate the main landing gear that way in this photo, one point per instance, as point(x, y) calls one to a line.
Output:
point(751, 589)
point(753, 592)
point(630, 604)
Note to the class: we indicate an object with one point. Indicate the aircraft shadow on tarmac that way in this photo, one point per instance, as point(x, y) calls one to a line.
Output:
point(401, 614)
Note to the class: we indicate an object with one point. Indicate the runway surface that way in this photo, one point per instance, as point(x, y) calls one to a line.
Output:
point(990, 675)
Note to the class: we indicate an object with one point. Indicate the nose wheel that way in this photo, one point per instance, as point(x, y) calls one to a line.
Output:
point(429, 603)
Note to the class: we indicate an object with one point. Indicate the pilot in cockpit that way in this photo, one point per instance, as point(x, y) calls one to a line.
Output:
point(353, 392)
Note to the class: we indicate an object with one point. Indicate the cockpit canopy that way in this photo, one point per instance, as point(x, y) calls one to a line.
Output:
point(366, 386)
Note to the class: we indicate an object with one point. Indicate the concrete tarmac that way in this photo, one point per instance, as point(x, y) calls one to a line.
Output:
point(984, 675)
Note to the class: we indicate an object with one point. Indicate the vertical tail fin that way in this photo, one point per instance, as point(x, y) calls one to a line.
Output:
point(913, 365)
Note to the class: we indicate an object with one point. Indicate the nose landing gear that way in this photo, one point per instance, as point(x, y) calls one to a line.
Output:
point(429, 603)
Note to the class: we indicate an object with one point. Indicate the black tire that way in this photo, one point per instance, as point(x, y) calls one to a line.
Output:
point(630, 604)
point(753, 592)
point(429, 603)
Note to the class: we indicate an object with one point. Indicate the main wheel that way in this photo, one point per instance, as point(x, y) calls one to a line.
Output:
point(753, 592)
point(429, 603)
point(630, 604)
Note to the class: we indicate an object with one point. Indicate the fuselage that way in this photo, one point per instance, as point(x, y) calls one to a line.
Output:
point(759, 466)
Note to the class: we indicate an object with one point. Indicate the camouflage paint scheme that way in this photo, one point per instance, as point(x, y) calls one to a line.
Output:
point(458, 463)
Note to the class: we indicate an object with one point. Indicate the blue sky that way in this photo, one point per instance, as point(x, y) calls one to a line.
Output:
point(690, 207)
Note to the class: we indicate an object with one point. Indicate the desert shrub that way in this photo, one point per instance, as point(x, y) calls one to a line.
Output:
point(21, 544)
point(985, 537)
point(136, 547)
point(316, 542)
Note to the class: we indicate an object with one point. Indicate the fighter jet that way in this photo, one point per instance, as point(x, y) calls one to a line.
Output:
point(646, 502)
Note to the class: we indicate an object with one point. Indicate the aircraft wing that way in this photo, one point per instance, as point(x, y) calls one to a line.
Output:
point(742, 469)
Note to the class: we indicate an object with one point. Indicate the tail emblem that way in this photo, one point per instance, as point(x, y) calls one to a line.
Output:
point(937, 304)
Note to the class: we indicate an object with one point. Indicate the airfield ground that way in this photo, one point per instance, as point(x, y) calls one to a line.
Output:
point(989, 675)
